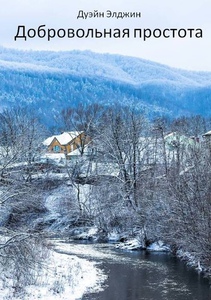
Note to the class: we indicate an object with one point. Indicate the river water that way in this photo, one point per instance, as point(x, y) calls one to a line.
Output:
point(140, 275)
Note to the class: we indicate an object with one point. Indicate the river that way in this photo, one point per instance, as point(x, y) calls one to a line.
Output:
point(140, 275)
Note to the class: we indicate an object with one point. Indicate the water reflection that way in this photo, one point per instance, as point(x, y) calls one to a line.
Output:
point(143, 276)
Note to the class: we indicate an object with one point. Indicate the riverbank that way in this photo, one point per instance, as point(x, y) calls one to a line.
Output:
point(62, 277)
point(125, 241)
point(139, 274)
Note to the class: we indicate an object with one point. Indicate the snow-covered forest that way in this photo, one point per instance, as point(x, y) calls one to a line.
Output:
point(140, 178)
point(50, 81)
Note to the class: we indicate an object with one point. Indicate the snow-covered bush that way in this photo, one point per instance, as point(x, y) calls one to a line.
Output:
point(22, 258)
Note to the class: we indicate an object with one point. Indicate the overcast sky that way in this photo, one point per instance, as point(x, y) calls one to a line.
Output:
point(193, 54)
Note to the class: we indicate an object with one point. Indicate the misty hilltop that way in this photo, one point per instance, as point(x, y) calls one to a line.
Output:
point(50, 81)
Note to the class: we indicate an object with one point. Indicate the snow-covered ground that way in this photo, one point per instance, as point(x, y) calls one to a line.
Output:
point(64, 277)
point(159, 246)
point(192, 261)
point(138, 244)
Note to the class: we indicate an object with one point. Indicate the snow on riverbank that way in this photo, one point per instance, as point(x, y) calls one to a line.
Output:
point(159, 246)
point(65, 277)
point(192, 261)
point(137, 244)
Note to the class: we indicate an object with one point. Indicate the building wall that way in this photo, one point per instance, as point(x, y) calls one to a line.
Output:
point(79, 141)
point(56, 147)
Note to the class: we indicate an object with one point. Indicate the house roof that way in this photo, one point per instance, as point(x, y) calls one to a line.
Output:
point(64, 138)
point(207, 133)
point(176, 136)
point(77, 152)
point(174, 139)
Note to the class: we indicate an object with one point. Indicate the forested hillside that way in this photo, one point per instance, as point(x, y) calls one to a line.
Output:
point(50, 81)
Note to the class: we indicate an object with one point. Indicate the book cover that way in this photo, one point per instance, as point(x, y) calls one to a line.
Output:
point(105, 141)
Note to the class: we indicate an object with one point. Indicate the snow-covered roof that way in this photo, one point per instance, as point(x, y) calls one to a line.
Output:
point(207, 133)
point(174, 139)
point(77, 152)
point(176, 136)
point(63, 139)
point(48, 141)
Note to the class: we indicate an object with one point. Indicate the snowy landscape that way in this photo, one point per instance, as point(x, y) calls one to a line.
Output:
point(61, 277)
point(50, 81)
point(125, 161)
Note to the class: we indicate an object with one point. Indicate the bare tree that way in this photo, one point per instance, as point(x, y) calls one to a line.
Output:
point(22, 257)
point(20, 144)
point(183, 196)
point(21, 137)
point(124, 140)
